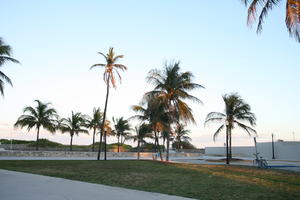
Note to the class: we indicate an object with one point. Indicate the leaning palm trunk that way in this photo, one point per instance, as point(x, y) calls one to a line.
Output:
point(138, 157)
point(230, 147)
point(93, 148)
point(103, 121)
point(168, 147)
point(227, 153)
point(158, 147)
point(71, 143)
point(118, 143)
point(37, 138)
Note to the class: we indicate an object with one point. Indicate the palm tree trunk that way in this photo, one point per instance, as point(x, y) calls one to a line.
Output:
point(71, 143)
point(104, 116)
point(93, 149)
point(37, 138)
point(118, 143)
point(230, 147)
point(168, 147)
point(158, 147)
point(105, 145)
point(138, 150)
point(227, 134)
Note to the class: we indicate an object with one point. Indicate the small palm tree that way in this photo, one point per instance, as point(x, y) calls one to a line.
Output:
point(110, 69)
point(292, 18)
point(5, 56)
point(143, 131)
point(236, 112)
point(156, 115)
point(181, 135)
point(42, 116)
point(122, 128)
point(172, 87)
point(73, 125)
point(94, 123)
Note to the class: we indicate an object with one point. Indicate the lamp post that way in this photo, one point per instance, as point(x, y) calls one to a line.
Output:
point(227, 156)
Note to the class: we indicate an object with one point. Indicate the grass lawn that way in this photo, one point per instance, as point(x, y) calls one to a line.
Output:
point(189, 180)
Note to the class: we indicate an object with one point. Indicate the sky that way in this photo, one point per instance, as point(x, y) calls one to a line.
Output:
point(57, 41)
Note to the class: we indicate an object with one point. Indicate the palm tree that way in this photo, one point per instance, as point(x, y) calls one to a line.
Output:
point(73, 125)
point(181, 134)
point(122, 129)
point(94, 123)
point(172, 87)
point(42, 116)
point(143, 131)
point(155, 115)
point(5, 56)
point(292, 18)
point(110, 69)
point(236, 112)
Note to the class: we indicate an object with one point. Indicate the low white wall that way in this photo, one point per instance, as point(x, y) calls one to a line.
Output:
point(282, 150)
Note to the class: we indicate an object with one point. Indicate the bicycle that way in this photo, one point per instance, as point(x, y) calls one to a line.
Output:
point(260, 162)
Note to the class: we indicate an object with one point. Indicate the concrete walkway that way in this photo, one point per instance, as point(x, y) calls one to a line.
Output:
point(24, 186)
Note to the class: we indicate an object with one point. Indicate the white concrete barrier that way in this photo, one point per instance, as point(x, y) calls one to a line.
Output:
point(282, 150)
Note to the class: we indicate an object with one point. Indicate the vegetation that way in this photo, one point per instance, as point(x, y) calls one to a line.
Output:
point(181, 138)
point(236, 112)
point(189, 180)
point(121, 130)
point(5, 56)
point(39, 117)
point(141, 132)
point(171, 89)
point(292, 18)
point(94, 123)
point(110, 68)
point(73, 125)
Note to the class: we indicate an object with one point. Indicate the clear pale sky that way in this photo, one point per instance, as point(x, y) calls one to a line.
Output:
point(57, 41)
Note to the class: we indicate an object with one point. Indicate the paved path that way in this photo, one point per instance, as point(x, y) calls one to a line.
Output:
point(24, 186)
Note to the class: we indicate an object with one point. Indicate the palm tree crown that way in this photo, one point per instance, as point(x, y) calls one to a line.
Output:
point(236, 112)
point(292, 18)
point(39, 117)
point(122, 129)
point(5, 56)
point(111, 67)
point(172, 86)
point(73, 125)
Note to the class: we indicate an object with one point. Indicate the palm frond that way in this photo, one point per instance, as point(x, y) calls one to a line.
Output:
point(248, 129)
point(292, 19)
point(97, 65)
point(218, 132)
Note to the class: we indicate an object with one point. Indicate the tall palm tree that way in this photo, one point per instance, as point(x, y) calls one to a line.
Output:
point(110, 69)
point(42, 116)
point(181, 135)
point(5, 56)
point(156, 115)
point(172, 87)
point(292, 18)
point(141, 132)
point(122, 129)
point(73, 125)
point(94, 123)
point(236, 112)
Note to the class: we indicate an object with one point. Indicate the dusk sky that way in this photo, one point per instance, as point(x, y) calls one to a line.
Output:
point(57, 42)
